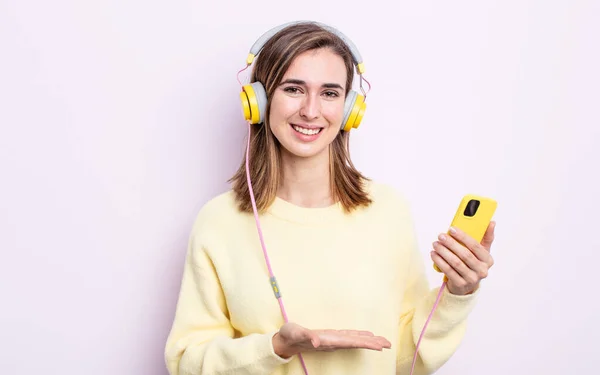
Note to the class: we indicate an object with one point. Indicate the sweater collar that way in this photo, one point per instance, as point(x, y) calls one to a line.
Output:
point(306, 215)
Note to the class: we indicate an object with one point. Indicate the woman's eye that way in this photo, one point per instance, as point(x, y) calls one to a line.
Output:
point(292, 90)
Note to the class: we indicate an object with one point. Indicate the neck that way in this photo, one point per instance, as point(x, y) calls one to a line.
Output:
point(306, 181)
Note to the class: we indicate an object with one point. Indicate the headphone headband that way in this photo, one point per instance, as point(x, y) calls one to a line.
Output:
point(260, 42)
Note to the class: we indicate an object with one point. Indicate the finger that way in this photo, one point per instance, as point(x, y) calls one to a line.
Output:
point(454, 262)
point(339, 340)
point(307, 335)
point(384, 342)
point(381, 341)
point(365, 333)
point(459, 250)
point(488, 237)
point(447, 269)
point(469, 242)
point(356, 332)
point(372, 343)
point(315, 340)
point(370, 339)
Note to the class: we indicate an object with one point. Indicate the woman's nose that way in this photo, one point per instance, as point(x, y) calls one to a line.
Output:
point(311, 107)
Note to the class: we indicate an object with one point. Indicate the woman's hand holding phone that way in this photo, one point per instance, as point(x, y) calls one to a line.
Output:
point(463, 260)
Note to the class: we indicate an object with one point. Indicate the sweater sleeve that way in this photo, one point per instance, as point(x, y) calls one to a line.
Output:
point(444, 332)
point(447, 326)
point(202, 339)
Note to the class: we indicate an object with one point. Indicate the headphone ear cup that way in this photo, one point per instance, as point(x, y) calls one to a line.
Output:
point(354, 110)
point(254, 102)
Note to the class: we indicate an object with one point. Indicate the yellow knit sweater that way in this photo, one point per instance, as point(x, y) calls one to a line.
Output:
point(335, 271)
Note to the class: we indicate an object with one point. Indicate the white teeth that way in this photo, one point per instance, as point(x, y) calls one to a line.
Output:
point(306, 131)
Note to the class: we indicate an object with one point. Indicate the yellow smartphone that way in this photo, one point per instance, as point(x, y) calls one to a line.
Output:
point(473, 216)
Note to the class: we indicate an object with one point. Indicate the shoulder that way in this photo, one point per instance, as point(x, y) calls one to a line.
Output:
point(218, 214)
point(390, 204)
point(223, 204)
point(387, 195)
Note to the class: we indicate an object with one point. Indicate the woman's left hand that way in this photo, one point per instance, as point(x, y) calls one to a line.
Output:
point(464, 265)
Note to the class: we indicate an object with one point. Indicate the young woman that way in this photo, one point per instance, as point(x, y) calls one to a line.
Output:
point(351, 294)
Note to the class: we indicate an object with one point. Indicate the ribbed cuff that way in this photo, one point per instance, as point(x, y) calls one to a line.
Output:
point(456, 307)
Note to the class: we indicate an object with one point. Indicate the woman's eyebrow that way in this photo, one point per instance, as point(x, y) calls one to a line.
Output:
point(303, 83)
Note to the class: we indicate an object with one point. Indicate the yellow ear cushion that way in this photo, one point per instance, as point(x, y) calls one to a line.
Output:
point(245, 106)
point(250, 104)
point(356, 114)
point(359, 116)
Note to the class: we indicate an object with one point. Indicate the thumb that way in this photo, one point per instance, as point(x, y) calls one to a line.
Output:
point(309, 335)
point(315, 340)
point(488, 237)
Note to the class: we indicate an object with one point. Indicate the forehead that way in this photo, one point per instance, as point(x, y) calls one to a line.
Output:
point(318, 67)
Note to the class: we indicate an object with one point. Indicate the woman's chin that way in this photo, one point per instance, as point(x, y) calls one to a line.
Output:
point(304, 151)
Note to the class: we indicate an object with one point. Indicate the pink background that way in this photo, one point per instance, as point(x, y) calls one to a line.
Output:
point(120, 119)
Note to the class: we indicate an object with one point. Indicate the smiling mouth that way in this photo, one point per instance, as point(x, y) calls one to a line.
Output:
point(306, 131)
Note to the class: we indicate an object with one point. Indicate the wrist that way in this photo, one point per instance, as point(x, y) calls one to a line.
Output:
point(462, 292)
point(280, 348)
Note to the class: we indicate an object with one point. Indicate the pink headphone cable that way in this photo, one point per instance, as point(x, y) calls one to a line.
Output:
point(262, 241)
point(272, 276)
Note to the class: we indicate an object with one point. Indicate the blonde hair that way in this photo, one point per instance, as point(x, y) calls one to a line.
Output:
point(347, 183)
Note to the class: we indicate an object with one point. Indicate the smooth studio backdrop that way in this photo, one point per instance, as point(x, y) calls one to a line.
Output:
point(120, 119)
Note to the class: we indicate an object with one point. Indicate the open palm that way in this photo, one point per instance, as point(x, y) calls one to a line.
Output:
point(293, 338)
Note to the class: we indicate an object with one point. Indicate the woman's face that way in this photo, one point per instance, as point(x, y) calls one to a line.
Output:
point(307, 108)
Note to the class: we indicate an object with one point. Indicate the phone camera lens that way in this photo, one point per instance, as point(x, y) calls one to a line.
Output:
point(472, 207)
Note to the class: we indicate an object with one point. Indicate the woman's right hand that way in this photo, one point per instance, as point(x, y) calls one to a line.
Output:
point(293, 339)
